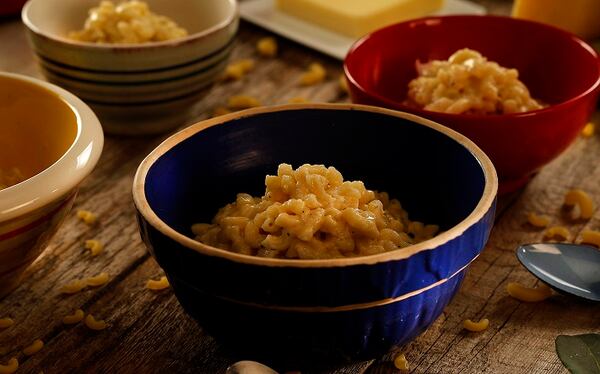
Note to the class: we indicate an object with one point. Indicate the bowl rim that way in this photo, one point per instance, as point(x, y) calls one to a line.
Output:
point(485, 203)
point(64, 174)
point(231, 17)
point(476, 117)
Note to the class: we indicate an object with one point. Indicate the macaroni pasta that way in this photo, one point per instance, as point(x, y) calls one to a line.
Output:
point(468, 83)
point(312, 213)
point(128, 22)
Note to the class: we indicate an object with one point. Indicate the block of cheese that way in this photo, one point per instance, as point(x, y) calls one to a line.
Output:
point(358, 17)
point(581, 17)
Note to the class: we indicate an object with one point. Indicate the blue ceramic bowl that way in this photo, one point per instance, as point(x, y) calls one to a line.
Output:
point(347, 309)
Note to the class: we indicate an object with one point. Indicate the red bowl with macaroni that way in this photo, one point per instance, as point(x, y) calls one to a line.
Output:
point(557, 67)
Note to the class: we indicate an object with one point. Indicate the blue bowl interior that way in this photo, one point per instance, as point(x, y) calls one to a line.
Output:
point(435, 178)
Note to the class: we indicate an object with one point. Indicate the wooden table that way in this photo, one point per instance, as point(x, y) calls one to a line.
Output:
point(150, 333)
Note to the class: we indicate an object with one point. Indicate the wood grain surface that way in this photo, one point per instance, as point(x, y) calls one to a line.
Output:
point(150, 333)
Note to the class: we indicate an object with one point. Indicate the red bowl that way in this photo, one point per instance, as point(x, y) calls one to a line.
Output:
point(556, 66)
point(9, 7)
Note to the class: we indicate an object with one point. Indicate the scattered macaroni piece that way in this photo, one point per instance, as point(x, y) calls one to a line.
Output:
point(588, 130)
point(95, 246)
point(530, 295)
point(560, 232)
point(73, 287)
point(86, 216)
point(94, 324)
point(220, 110)
point(538, 220)
point(34, 348)
point(316, 74)
point(297, 100)
point(401, 363)
point(468, 83)
point(476, 326)
point(591, 237)
point(127, 22)
point(344, 84)
point(267, 47)
point(6, 323)
point(157, 285)
point(98, 280)
point(11, 366)
point(74, 318)
point(238, 69)
point(583, 200)
point(237, 102)
point(312, 213)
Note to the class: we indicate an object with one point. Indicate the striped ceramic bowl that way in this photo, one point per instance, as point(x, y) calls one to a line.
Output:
point(135, 88)
point(53, 147)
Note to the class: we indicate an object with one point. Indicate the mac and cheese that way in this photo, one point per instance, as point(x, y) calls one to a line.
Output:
point(312, 213)
point(128, 22)
point(468, 83)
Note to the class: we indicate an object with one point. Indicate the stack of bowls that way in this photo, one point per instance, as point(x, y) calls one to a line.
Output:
point(135, 88)
point(54, 140)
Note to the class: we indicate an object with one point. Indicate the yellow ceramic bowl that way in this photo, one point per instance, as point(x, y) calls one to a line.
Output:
point(49, 141)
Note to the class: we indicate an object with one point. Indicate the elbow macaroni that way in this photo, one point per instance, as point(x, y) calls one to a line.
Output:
point(316, 74)
point(6, 323)
point(73, 287)
point(86, 216)
point(237, 70)
point(157, 285)
point(238, 102)
point(98, 280)
point(538, 220)
point(11, 366)
point(469, 325)
point(267, 47)
point(312, 213)
point(468, 83)
point(582, 200)
point(401, 363)
point(34, 348)
point(559, 232)
point(74, 318)
point(588, 130)
point(591, 237)
point(530, 295)
point(94, 324)
point(95, 246)
point(128, 22)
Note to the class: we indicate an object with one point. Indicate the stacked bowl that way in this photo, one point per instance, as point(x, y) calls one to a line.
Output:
point(135, 88)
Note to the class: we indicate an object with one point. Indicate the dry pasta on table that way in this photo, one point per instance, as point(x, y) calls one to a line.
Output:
point(312, 213)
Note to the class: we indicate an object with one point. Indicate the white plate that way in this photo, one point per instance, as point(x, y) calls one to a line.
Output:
point(265, 14)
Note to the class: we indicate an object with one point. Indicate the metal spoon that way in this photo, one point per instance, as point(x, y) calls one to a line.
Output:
point(571, 268)
point(249, 367)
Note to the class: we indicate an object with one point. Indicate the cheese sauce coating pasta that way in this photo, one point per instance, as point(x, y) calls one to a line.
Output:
point(468, 83)
point(127, 22)
point(312, 213)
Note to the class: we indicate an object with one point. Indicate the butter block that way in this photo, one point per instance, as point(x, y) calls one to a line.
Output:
point(357, 17)
point(581, 17)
